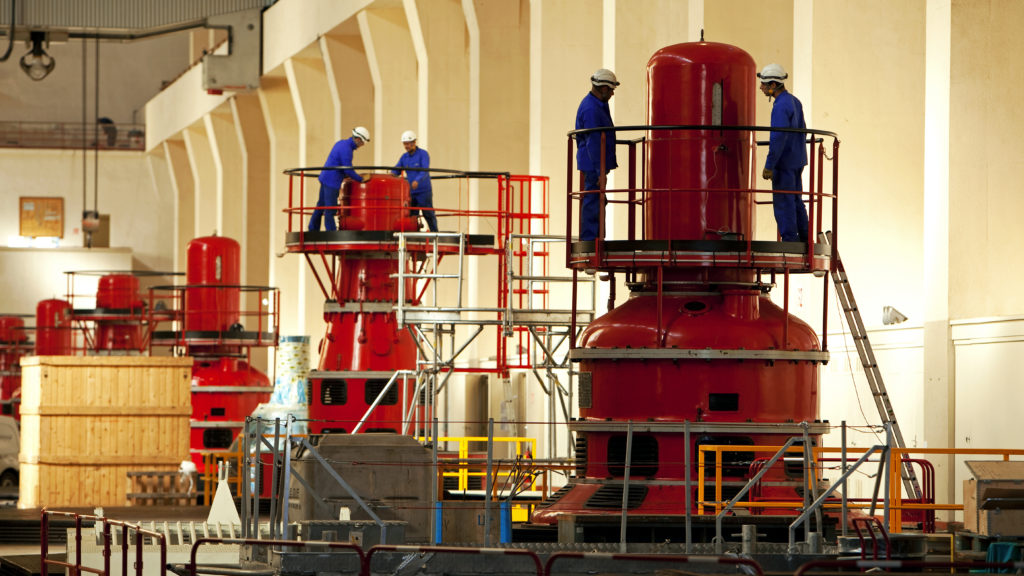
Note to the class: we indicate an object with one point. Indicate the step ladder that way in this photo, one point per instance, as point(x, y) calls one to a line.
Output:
point(867, 360)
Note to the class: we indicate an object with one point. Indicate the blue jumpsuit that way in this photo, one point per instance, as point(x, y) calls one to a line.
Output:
point(593, 113)
point(423, 195)
point(330, 183)
point(787, 156)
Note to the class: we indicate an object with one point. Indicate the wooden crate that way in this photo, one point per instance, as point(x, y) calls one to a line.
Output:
point(994, 498)
point(153, 488)
point(88, 421)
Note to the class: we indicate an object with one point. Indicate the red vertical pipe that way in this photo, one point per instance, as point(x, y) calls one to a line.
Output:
point(835, 202)
point(568, 210)
point(44, 540)
point(631, 209)
point(821, 183)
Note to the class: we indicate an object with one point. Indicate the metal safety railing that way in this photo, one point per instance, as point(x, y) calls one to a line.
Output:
point(76, 567)
point(744, 161)
point(73, 136)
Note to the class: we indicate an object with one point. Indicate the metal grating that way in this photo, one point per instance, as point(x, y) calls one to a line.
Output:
point(581, 455)
point(644, 459)
point(120, 15)
point(217, 438)
point(586, 389)
point(373, 389)
point(609, 497)
point(333, 392)
point(555, 497)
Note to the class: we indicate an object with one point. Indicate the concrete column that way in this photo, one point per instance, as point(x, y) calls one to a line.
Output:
point(183, 185)
point(350, 83)
point(314, 109)
point(206, 181)
point(939, 382)
point(287, 272)
point(254, 157)
point(227, 158)
point(392, 62)
point(254, 209)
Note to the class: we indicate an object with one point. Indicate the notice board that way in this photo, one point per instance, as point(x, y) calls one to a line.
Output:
point(41, 216)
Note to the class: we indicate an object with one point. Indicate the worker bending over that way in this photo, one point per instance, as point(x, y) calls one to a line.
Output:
point(330, 180)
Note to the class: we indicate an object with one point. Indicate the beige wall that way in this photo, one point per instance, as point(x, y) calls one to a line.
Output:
point(985, 158)
point(137, 211)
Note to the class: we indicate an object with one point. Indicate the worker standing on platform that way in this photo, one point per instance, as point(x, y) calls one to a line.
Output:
point(330, 180)
point(421, 194)
point(787, 156)
point(595, 113)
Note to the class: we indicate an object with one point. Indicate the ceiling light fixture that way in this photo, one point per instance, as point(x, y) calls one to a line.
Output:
point(36, 62)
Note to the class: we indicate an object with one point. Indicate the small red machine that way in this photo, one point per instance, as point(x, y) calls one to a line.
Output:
point(213, 325)
point(14, 343)
point(53, 328)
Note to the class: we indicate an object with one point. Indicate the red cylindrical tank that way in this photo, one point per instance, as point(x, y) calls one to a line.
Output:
point(53, 328)
point(212, 261)
point(13, 345)
point(381, 203)
point(118, 292)
point(699, 83)
point(119, 314)
point(12, 330)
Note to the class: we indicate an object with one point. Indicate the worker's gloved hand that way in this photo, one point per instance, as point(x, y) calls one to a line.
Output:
point(415, 184)
point(766, 174)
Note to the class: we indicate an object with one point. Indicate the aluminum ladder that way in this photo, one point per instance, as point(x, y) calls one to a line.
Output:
point(867, 359)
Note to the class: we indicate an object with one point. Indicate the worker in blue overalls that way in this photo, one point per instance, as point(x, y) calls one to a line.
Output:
point(787, 156)
point(330, 180)
point(594, 112)
point(420, 193)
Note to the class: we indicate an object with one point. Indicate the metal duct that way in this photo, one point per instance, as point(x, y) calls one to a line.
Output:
point(88, 18)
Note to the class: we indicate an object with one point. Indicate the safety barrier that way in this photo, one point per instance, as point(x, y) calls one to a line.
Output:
point(76, 568)
point(907, 566)
point(654, 558)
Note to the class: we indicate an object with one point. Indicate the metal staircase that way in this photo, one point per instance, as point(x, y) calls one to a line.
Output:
point(867, 359)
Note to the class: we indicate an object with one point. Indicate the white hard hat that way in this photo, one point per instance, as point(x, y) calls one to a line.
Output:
point(772, 73)
point(604, 77)
point(408, 136)
point(361, 132)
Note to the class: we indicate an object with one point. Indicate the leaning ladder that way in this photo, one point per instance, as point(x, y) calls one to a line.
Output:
point(867, 360)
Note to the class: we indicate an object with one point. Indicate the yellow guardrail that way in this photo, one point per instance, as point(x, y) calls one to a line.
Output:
point(465, 470)
point(896, 455)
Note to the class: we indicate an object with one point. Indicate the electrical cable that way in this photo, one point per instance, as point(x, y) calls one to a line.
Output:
point(853, 380)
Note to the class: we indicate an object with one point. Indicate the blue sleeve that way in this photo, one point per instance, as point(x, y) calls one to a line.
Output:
point(422, 176)
point(589, 119)
point(398, 166)
point(778, 140)
point(345, 159)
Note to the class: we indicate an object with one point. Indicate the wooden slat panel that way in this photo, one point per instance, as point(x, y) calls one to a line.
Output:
point(87, 421)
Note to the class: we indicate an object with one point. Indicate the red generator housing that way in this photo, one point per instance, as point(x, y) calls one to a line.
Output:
point(363, 345)
point(217, 321)
point(53, 328)
point(698, 350)
point(226, 388)
point(14, 343)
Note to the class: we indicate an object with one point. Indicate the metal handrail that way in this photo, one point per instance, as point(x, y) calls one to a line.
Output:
point(662, 558)
point(76, 568)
